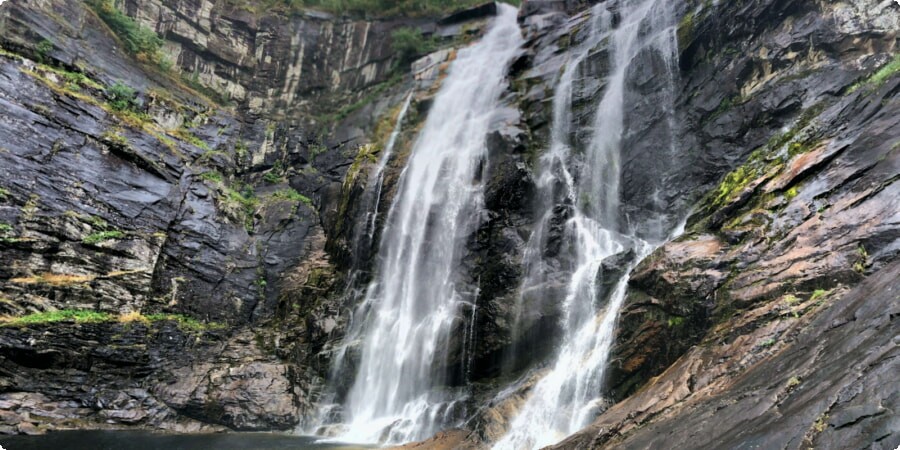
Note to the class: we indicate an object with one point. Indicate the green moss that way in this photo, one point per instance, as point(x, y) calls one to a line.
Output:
point(192, 139)
point(241, 203)
point(734, 183)
point(273, 178)
point(185, 322)
point(879, 77)
point(292, 195)
point(675, 321)
point(5, 228)
point(818, 294)
point(4, 194)
point(103, 236)
point(240, 150)
point(791, 193)
point(213, 176)
point(65, 315)
point(685, 31)
point(114, 138)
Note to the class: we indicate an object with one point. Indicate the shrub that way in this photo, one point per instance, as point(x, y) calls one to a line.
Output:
point(43, 50)
point(213, 176)
point(292, 195)
point(140, 41)
point(122, 97)
point(273, 178)
point(410, 44)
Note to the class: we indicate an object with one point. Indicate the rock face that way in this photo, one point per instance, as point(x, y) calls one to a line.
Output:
point(198, 202)
point(219, 223)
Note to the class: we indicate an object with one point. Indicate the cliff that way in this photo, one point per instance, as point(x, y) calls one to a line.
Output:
point(183, 260)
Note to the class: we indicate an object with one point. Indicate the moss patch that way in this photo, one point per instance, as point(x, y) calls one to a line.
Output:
point(879, 77)
point(65, 315)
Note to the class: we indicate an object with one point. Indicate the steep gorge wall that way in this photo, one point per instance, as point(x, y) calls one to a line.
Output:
point(773, 97)
point(189, 226)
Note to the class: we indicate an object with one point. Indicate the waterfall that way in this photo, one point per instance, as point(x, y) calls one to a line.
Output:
point(569, 396)
point(413, 309)
point(378, 175)
point(362, 242)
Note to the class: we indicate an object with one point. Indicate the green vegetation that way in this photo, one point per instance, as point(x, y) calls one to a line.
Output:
point(192, 139)
point(75, 81)
point(4, 194)
point(140, 41)
point(818, 293)
point(862, 261)
point(793, 382)
point(103, 236)
point(734, 183)
point(292, 195)
point(767, 343)
point(273, 178)
point(316, 150)
point(185, 322)
point(685, 31)
point(241, 203)
point(43, 50)
point(113, 137)
point(5, 228)
point(240, 150)
point(86, 316)
point(410, 44)
point(213, 176)
point(791, 193)
point(276, 175)
point(878, 78)
point(65, 315)
point(122, 97)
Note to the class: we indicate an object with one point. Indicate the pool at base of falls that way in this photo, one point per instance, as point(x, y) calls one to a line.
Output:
point(149, 440)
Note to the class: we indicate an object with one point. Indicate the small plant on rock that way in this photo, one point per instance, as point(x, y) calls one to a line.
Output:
point(122, 97)
point(103, 236)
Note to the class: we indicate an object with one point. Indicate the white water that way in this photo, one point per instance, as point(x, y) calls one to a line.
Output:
point(413, 307)
point(378, 176)
point(569, 396)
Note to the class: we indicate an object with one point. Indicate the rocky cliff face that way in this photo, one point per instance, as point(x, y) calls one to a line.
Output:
point(215, 227)
point(189, 222)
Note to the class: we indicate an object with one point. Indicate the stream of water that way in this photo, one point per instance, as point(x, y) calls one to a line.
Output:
point(414, 307)
point(569, 396)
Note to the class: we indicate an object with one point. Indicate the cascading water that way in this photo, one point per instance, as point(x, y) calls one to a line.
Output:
point(378, 175)
point(362, 243)
point(569, 396)
point(413, 307)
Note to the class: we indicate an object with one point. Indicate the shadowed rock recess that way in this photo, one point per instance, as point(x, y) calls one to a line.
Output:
point(188, 220)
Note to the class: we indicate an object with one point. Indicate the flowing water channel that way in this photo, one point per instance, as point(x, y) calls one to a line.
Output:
point(415, 306)
point(569, 396)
